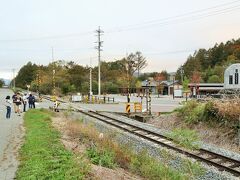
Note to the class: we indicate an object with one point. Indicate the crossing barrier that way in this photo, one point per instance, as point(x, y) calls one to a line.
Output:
point(137, 107)
point(128, 108)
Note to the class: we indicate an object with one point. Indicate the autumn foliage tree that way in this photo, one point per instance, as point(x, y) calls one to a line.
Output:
point(159, 77)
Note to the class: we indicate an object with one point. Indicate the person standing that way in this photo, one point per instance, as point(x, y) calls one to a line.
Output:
point(14, 99)
point(24, 102)
point(8, 106)
point(31, 101)
point(34, 101)
point(18, 103)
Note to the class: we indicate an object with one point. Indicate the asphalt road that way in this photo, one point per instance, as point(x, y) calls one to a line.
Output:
point(161, 104)
point(11, 133)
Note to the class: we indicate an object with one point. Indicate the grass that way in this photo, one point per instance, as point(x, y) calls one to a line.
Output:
point(42, 156)
point(102, 157)
point(185, 137)
point(104, 151)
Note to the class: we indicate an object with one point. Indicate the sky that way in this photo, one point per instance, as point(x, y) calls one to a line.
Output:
point(166, 32)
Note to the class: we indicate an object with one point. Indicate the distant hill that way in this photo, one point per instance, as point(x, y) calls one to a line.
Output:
point(211, 63)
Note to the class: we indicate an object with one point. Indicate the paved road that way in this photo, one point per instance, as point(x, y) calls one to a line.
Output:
point(11, 133)
point(162, 104)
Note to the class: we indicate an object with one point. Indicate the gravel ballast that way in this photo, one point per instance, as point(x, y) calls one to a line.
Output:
point(173, 159)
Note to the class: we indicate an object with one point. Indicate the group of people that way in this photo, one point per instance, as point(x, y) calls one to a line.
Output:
point(18, 101)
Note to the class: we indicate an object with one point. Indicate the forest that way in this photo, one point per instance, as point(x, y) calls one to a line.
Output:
point(211, 63)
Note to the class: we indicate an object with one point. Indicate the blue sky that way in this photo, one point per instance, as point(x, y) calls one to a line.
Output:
point(29, 28)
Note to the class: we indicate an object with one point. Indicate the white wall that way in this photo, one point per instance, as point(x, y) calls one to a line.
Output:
point(231, 71)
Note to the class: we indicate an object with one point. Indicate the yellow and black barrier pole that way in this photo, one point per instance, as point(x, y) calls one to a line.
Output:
point(128, 108)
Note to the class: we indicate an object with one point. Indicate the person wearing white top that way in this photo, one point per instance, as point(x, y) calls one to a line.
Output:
point(25, 99)
point(8, 104)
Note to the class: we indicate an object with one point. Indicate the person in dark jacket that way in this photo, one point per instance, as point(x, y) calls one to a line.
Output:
point(31, 101)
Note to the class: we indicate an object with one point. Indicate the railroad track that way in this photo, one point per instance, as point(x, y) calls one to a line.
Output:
point(219, 161)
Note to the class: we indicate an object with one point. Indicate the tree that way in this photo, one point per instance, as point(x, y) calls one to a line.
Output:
point(26, 75)
point(214, 79)
point(1, 83)
point(162, 76)
point(141, 62)
point(196, 78)
point(185, 86)
point(159, 77)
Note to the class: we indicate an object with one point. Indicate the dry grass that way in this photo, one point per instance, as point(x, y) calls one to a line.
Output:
point(78, 137)
point(228, 108)
point(90, 136)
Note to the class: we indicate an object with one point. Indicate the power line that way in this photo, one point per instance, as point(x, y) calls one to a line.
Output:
point(164, 21)
point(178, 20)
point(180, 15)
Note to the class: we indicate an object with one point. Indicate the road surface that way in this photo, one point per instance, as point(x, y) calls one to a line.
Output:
point(11, 134)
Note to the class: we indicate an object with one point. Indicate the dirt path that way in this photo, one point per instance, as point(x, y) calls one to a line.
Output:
point(11, 134)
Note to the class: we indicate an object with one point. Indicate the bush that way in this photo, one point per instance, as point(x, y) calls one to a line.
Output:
point(192, 112)
point(225, 112)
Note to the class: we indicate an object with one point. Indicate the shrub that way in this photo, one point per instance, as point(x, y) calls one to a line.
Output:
point(225, 112)
point(196, 114)
point(192, 112)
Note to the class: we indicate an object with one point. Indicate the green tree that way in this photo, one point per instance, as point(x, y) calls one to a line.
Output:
point(26, 75)
point(214, 79)
point(1, 83)
point(185, 84)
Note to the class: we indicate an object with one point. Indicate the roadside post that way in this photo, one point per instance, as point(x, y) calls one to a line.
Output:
point(148, 97)
point(147, 93)
point(239, 132)
point(150, 104)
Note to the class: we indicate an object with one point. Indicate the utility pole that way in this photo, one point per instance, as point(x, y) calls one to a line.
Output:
point(53, 76)
point(90, 81)
point(128, 80)
point(99, 45)
point(173, 86)
point(14, 85)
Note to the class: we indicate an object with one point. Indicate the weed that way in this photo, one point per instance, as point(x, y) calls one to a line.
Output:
point(185, 137)
point(102, 157)
point(150, 168)
point(192, 168)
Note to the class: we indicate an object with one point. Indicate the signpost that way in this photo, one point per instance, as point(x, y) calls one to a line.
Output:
point(28, 87)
